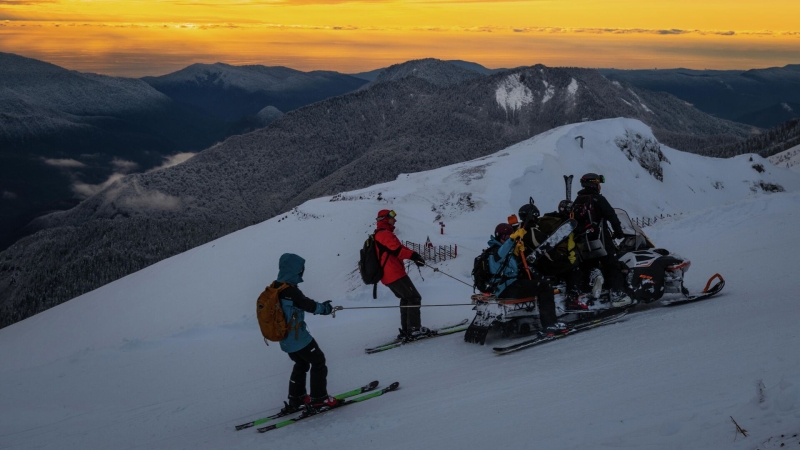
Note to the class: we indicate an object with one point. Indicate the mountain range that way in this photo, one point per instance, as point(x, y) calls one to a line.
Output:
point(759, 97)
point(402, 125)
point(65, 134)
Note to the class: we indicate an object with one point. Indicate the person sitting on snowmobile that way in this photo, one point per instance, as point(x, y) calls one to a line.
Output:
point(562, 262)
point(511, 283)
point(594, 214)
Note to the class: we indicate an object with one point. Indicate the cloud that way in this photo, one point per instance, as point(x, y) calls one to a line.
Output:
point(124, 166)
point(24, 2)
point(85, 190)
point(153, 200)
point(65, 163)
point(173, 160)
point(8, 195)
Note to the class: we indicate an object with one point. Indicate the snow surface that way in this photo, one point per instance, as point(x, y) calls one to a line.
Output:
point(511, 93)
point(549, 91)
point(171, 357)
point(788, 158)
point(573, 87)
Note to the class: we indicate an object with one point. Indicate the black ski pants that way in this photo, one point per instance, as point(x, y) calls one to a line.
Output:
point(309, 357)
point(405, 290)
point(544, 294)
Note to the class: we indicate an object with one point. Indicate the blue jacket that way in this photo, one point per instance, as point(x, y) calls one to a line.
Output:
point(294, 303)
point(511, 270)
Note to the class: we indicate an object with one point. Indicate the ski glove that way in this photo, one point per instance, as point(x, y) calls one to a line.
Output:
point(324, 308)
point(518, 234)
point(418, 259)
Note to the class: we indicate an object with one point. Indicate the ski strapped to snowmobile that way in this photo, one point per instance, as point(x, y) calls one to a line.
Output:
point(575, 328)
point(311, 413)
point(436, 332)
point(287, 412)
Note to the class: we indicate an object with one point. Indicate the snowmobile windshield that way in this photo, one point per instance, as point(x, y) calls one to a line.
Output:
point(635, 239)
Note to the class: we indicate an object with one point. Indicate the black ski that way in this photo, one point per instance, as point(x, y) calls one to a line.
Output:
point(575, 328)
point(342, 396)
point(310, 413)
point(443, 331)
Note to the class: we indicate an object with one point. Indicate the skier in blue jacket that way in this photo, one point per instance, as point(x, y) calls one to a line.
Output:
point(301, 347)
point(515, 283)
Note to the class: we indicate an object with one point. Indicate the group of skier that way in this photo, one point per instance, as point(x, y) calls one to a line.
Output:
point(586, 252)
point(514, 279)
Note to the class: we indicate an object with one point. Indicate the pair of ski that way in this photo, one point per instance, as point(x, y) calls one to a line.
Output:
point(574, 328)
point(443, 331)
point(345, 399)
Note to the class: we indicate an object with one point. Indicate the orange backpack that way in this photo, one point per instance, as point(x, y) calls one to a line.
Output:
point(270, 314)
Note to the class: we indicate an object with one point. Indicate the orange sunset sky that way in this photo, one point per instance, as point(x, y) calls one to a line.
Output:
point(140, 37)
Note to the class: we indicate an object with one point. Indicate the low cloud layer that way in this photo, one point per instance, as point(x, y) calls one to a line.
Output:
point(173, 160)
point(8, 195)
point(123, 166)
point(85, 190)
point(64, 163)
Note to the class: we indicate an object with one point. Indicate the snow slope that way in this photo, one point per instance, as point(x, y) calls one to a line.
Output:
point(789, 158)
point(171, 357)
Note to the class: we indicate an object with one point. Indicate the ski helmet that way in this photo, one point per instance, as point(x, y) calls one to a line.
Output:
point(503, 231)
point(564, 206)
point(592, 181)
point(528, 210)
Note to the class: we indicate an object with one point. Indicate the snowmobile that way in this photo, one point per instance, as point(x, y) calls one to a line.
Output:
point(649, 273)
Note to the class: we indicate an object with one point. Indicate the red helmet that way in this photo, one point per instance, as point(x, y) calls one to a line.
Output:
point(503, 231)
point(385, 214)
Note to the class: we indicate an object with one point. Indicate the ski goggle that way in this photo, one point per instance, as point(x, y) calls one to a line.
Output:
point(597, 179)
point(391, 214)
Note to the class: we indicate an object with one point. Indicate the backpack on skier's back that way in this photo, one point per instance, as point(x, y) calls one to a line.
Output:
point(369, 264)
point(270, 314)
point(482, 277)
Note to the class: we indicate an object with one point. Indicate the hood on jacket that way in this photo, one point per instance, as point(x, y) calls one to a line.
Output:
point(493, 242)
point(290, 269)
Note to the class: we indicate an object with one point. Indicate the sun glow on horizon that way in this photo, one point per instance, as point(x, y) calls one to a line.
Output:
point(135, 38)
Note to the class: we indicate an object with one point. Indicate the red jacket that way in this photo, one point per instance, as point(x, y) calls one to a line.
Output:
point(392, 254)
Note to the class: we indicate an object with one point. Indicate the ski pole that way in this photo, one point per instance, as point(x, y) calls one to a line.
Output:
point(436, 269)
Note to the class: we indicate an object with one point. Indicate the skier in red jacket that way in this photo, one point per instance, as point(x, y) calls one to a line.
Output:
point(392, 253)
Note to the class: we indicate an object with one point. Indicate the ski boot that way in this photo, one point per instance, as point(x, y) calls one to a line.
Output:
point(317, 405)
point(596, 281)
point(295, 404)
point(620, 299)
point(418, 333)
point(554, 329)
point(572, 303)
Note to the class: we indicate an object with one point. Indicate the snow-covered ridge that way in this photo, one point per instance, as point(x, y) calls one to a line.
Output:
point(50, 87)
point(496, 185)
point(171, 357)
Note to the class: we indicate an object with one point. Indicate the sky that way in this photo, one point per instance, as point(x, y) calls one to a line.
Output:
point(145, 37)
